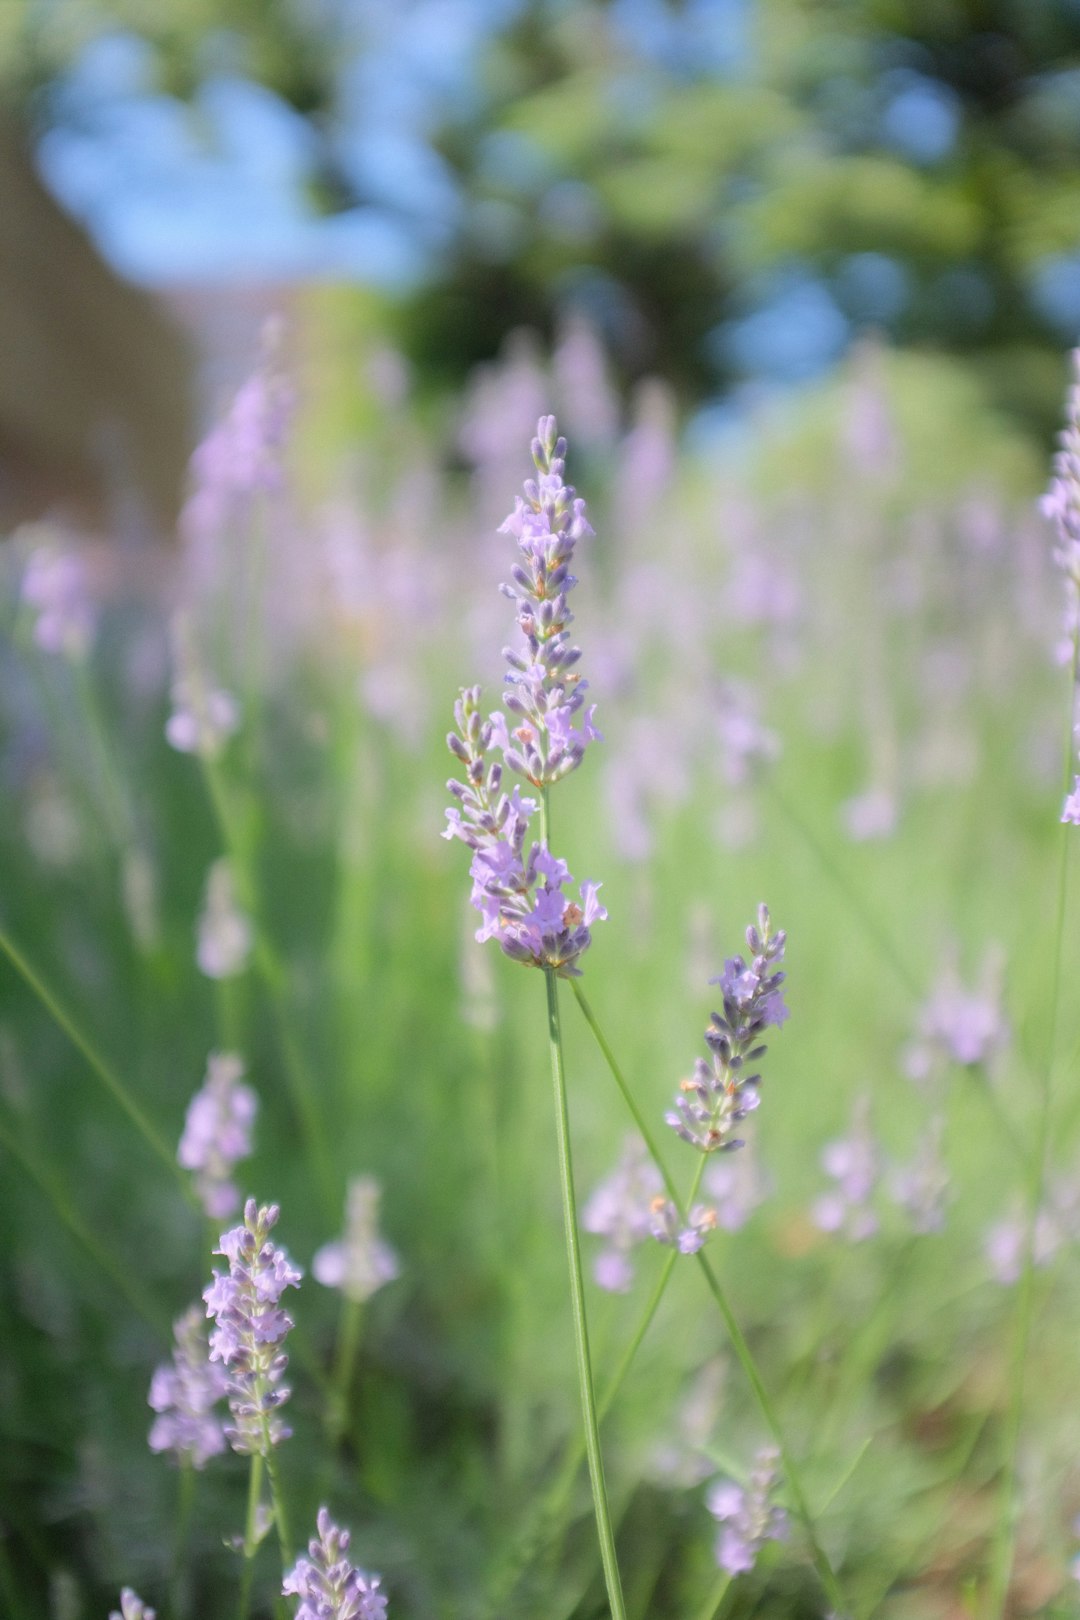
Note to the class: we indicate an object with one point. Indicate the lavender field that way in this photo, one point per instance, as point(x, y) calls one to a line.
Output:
point(829, 655)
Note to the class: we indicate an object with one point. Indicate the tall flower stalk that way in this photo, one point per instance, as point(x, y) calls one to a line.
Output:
point(519, 886)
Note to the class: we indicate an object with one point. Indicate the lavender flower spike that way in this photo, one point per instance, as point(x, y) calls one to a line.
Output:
point(720, 1093)
point(132, 1607)
point(749, 1516)
point(217, 1133)
point(1061, 504)
point(328, 1585)
point(250, 1327)
point(543, 689)
point(518, 887)
point(184, 1393)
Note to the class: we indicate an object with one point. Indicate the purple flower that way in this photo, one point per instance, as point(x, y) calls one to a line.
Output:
point(667, 1227)
point(203, 718)
point(1070, 810)
point(518, 885)
point(225, 934)
point(852, 1162)
point(959, 1025)
point(720, 1092)
point(132, 1607)
point(217, 1133)
point(360, 1263)
point(328, 1585)
point(748, 1515)
point(250, 1327)
point(620, 1211)
point(544, 692)
point(1061, 504)
point(56, 585)
point(184, 1392)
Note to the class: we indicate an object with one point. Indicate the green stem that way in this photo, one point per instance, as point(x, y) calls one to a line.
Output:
point(251, 1531)
point(183, 1526)
point(68, 1216)
point(111, 1081)
point(544, 1519)
point(337, 1406)
point(739, 1345)
point(281, 1519)
point(577, 1298)
point(717, 1593)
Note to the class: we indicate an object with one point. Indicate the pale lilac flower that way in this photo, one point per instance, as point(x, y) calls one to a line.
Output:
point(217, 1133)
point(203, 718)
point(687, 1236)
point(184, 1393)
point(225, 935)
point(328, 1585)
point(57, 586)
point(1070, 810)
point(620, 1210)
point(853, 1164)
point(360, 1262)
point(921, 1187)
point(241, 456)
point(1061, 504)
point(870, 815)
point(544, 691)
point(748, 1514)
point(518, 888)
point(1057, 1222)
point(132, 1607)
point(250, 1327)
point(721, 1092)
point(957, 1024)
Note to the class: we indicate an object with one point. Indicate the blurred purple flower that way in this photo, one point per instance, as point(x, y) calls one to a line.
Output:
point(853, 1164)
point(687, 1236)
point(620, 1210)
point(217, 1133)
point(184, 1392)
point(203, 719)
point(250, 1327)
point(359, 1263)
point(921, 1187)
point(328, 1585)
point(1061, 504)
point(132, 1607)
point(748, 1515)
point(736, 1187)
point(56, 586)
point(958, 1025)
point(720, 1093)
point(225, 935)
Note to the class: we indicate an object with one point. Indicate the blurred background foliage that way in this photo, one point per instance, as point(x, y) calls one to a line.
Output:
point(730, 192)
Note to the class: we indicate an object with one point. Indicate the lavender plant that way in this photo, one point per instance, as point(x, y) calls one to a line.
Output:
point(328, 1585)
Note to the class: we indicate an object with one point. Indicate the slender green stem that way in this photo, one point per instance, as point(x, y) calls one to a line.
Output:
point(281, 1518)
point(742, 1350)
point(577, 1299)
point(717, 1593)
point(1005, 1541)
point(69, 1217)
point(8, 1588)
point(105, 1073)
point(251, 1531)
point(545, 1517)
point(185, 1502)
point(337, 1405)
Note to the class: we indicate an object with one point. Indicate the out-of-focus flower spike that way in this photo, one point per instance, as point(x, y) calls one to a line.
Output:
point(360, 1263)
point(217, 1133)
point(184, 1393)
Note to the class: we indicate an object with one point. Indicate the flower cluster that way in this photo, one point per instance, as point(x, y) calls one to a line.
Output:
point(225, 936)
point(360, 1262)
point(56, 587)
point(957, 1024)
point(217, 1133)
point(250, 1327)
point(620, 1211)
point(666, 1226)
point(203, 718)
point(518, 885)
point(328, 1585)
point(543, 689)
point(184, 1392)
point(720, 1093)
point(748, 1515)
